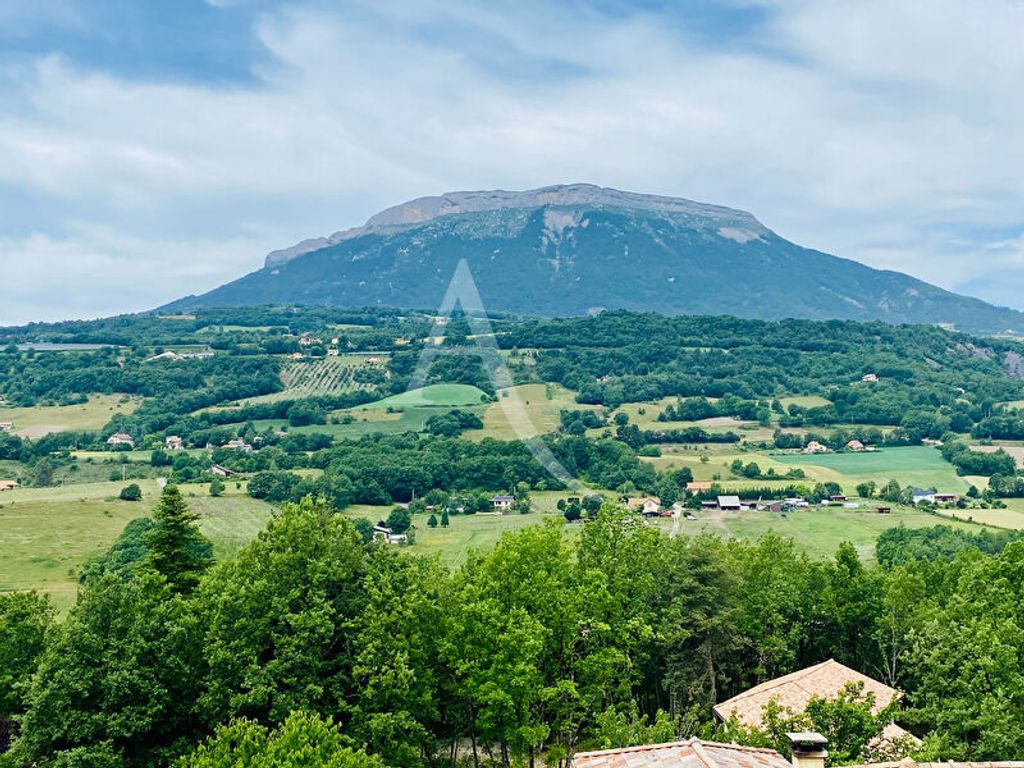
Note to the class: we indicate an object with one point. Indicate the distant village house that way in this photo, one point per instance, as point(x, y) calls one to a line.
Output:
point(174, 443)
point(9, 485)
point(502, 503)
point(120, 438)
point(383, 533)
point(815, 447)
point(645, 505)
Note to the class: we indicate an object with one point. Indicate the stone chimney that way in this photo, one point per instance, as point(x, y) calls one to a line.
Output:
point(808, 749)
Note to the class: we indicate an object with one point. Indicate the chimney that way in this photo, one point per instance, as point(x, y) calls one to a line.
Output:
point(808, 749)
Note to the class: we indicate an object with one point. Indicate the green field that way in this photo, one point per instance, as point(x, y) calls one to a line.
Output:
point(468, 532)
point(46, 534)
point(526, 409)
point(42, 420)
point(433, 396)
point(918, 466)
point(819, 530)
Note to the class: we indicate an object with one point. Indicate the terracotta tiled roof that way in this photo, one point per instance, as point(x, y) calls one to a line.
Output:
point(908, 763)
point(694, 753)
point(793, 691)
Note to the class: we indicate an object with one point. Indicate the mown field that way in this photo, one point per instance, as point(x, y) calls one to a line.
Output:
point(526, 409)
point(818, 531)
point(42, 420)
point(47, 534)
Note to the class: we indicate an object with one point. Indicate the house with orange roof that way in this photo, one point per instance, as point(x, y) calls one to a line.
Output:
point(793, 692)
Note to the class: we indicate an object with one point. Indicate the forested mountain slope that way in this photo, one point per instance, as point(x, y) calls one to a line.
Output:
point(570, 250)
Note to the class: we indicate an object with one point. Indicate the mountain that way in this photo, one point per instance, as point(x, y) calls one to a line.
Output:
point(574, 249)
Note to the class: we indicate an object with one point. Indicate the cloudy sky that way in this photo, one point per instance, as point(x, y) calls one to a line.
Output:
point(151, 149)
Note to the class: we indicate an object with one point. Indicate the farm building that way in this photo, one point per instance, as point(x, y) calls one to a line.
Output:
point(9, 485)
point(869, 378)
point(383, 533)
point(647, 505)
point(220, 471)
point(6, 426)
point(174, 443)
point(238, 445)
point(825, 680)
point(698, 487)
point(120, 438)
point(855, 445)
point(815, 447)
point(502, 503)
point(729, 503)
point(919, 495)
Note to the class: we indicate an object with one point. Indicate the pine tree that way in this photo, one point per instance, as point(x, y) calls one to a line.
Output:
point(432, 520)
point(444, 518)
point(177, 550)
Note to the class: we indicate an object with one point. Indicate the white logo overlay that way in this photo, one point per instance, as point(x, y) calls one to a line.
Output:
point(462, 291)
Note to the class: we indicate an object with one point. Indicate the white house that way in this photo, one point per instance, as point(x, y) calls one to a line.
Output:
point(384, 533)
point(502, 503)
point(120, 438)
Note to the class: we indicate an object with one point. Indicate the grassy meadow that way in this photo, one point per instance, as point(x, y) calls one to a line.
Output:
point(47, 534)
point(818, 531)
point(526, 409)
point(42, 420)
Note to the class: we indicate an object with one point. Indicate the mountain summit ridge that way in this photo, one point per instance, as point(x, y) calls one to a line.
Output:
point(423, 209)
point(571, 249)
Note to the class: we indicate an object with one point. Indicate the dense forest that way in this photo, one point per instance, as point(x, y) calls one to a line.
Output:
point(526, 653)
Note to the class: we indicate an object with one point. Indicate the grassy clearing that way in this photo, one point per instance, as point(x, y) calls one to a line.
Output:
point(919, 466)
point(433, 396)
point(1011, 517)
point(805, 401)
point(468, 532)
point(819, 530)
point(42, 420)
point(46, 534)
point(537, 412)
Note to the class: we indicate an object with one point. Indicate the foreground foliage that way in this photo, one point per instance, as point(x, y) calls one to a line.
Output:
point(534, 650)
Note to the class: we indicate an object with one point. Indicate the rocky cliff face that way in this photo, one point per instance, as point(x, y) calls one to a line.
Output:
point(737, 224)
point(573, 249)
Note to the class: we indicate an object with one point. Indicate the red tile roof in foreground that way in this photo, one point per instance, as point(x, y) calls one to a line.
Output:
point(908, 763)
point(694, 753)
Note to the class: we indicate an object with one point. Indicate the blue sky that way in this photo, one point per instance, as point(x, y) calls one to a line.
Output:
point(153, 149)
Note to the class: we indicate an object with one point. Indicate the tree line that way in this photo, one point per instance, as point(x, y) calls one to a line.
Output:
point(533, 650)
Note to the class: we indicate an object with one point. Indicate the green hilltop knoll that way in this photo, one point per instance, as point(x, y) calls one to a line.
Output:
point(575, 249)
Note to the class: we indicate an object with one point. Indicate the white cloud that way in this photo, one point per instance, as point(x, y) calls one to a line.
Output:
point(871, 131)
